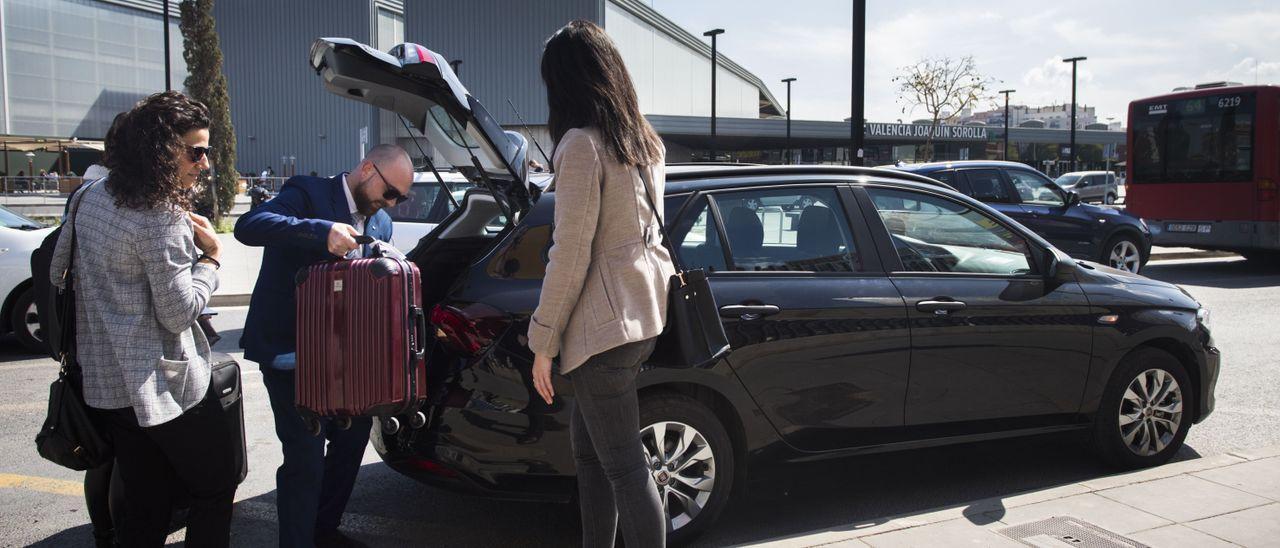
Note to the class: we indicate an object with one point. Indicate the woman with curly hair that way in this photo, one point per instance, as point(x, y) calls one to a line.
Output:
point(145, 267)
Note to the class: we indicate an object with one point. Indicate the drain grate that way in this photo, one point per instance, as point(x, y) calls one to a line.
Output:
point(1061, 531)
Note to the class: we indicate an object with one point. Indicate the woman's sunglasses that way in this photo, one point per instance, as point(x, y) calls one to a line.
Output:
point(390, 194)
point(196, 153)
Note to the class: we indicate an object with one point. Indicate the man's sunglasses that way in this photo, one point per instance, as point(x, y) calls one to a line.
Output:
point(390, 194)
point(196, 153)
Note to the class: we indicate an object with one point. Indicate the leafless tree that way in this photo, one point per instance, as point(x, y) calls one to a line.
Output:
point(943, 87)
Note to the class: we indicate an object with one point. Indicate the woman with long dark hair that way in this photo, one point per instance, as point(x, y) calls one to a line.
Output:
point(145, 267)
point(604, 297)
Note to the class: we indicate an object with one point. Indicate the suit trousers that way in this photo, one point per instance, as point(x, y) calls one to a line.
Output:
point(314, 483)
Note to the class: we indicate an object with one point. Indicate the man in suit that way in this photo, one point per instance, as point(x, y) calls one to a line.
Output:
point(313, 219)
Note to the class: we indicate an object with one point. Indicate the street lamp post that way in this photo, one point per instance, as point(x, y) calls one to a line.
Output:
point(168, 80)
point(788, 82)
point(856, 115)
point(1006, 93)
point(1072, 148)
point(713, 33)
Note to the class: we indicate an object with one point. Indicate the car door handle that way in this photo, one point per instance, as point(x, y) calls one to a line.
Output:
point(940, 307)
point(748, 311)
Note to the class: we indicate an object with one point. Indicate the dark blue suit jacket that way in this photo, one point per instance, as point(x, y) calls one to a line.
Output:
point(294, 229)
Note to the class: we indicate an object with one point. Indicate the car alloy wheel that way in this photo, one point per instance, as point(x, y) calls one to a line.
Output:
point(1124, 255)
point(682, 466)
point(1151, 412)
point(1109, 199)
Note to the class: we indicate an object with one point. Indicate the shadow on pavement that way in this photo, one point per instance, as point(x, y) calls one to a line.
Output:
point(1224, 274)
point(861, 492)
point(388, 509)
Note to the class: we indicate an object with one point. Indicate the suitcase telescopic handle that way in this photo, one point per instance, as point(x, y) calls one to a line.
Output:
point(420, 332)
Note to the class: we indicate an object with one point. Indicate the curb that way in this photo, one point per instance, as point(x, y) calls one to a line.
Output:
point(229, 300)
point(840, 534)
point(1190, 255)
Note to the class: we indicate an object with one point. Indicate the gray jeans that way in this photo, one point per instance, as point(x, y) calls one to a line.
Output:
point(613, 477)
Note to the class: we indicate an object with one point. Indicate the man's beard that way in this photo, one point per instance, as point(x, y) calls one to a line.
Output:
point(363, 204)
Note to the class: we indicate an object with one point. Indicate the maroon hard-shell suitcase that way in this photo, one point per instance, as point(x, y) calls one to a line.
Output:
point(361, 335)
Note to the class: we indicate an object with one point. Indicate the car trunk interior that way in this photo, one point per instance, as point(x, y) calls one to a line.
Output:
point(448, 250)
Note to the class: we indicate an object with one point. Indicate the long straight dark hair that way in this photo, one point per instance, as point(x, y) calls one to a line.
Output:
point(588, 86)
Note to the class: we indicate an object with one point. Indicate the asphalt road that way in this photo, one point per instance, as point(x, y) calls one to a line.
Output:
point(42, 504)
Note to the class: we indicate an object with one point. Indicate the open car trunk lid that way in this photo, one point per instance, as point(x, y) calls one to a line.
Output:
point(419, 85)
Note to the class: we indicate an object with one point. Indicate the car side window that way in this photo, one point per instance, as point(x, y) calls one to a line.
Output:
point(987, 186)
point(427, 203)
point(934, 234)
point(791, 230)
point(697, 238)
point(953, 179)
point(1035, 190)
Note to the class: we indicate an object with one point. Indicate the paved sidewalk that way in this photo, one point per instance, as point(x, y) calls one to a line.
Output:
point(1223, 500)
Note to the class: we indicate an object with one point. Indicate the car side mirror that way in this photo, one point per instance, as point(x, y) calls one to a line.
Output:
point(1073, 199)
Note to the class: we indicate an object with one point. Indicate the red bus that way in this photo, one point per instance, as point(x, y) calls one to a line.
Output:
point(1203, 166)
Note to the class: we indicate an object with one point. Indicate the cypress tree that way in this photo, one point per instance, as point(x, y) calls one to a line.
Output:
point(206, 83)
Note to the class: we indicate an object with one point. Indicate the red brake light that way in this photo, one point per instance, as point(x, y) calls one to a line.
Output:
point(468, 329)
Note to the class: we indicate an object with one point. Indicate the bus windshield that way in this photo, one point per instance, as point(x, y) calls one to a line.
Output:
point(1198, 140)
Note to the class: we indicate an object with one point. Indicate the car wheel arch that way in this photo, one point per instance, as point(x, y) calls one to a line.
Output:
point(7, 309)
point(1182, 352)
point(1132, 232)
point(720, 406)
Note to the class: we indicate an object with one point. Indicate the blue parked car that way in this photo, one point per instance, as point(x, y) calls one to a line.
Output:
point(1113, 237)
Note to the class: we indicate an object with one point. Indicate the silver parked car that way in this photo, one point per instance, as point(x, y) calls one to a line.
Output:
point(1092, 186)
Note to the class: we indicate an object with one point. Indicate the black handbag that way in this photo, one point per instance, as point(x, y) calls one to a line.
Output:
point(693, 336)
point(70, 436)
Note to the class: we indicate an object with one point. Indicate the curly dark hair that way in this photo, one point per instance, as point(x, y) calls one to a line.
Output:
point(141, 147)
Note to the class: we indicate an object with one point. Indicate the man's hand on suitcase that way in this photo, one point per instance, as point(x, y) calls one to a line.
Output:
point(542, 377)
point(342, 239)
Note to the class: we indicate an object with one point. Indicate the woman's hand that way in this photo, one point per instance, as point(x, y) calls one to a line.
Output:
point(542, 377)
point(206, 237)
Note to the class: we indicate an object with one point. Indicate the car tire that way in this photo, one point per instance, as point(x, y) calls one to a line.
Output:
point(1109, 199)
point(21, 320)
point(1167, 413)
point(1123, 252)
point(688, 419)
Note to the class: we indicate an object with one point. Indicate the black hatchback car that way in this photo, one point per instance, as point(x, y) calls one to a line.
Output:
point(1111, 236)
point(869, 310)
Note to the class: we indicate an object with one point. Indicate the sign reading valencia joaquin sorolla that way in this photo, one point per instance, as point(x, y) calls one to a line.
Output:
point(921, 131)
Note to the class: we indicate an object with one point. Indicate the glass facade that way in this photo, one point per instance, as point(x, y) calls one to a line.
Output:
point(72, 65)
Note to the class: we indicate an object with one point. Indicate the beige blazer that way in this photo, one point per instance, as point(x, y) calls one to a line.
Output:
point(608, 271)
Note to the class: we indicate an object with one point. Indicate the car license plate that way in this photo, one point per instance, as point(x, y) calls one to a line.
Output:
point(1187, 227)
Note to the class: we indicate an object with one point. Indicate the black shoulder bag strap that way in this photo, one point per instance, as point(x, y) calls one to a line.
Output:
point(67, 343)
point(693, 336)
point(666, 238)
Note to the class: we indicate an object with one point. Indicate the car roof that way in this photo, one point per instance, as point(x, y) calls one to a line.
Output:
point(691, 178)
point(931, 167)
point(1085, 173)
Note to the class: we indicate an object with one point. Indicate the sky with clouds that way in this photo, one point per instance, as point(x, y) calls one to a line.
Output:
point(1135, 48)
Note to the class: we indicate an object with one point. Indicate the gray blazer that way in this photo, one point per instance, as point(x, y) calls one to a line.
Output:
point(138, 294)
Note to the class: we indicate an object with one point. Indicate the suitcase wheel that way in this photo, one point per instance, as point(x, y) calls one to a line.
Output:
point(313, 425)
point(343, 423)
point(417, 420)
point(390, 425)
